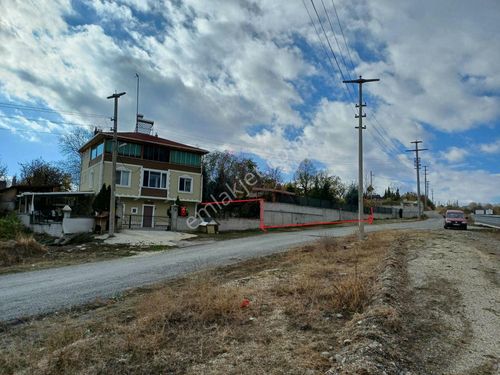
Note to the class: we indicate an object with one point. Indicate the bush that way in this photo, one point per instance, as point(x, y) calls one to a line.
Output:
point(10, 227)
point(15, 251)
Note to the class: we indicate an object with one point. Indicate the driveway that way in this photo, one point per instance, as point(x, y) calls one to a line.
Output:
point(31, 293)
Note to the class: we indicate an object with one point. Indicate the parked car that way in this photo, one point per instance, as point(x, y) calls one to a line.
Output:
point(455, 219)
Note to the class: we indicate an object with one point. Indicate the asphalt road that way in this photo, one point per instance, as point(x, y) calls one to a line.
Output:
point(32, 293)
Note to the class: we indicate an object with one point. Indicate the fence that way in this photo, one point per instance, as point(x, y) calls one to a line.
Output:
point(135, 221)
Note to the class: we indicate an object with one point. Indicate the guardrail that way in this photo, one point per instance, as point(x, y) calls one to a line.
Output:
point(488, 220)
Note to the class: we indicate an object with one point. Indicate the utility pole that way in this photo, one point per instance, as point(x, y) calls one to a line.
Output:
point(432, 191)
point(371, 184)
point(112, 208)
point(360, 128)
point(137, 105)
point(425, 186)
point(417, 167)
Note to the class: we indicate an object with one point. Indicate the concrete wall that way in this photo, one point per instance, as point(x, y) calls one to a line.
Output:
point(78, 225)
point(284, 213)
point(238, 224)
point(52, 229)
point(68, 226)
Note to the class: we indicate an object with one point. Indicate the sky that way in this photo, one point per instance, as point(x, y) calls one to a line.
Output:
point(259, 78)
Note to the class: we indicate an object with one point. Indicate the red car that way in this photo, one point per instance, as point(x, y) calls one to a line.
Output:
point(455, 219)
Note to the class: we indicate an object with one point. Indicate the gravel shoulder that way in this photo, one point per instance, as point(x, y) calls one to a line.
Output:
point(454, 302)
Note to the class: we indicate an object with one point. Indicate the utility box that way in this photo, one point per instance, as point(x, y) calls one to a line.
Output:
point(210, 227)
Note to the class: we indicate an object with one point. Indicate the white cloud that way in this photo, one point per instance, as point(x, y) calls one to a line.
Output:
point(454, 154)
point(491, 148)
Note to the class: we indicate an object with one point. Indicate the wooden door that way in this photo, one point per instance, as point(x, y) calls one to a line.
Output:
point(147, 216)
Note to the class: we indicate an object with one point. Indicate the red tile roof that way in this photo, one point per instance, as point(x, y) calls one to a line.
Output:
point(146, 138)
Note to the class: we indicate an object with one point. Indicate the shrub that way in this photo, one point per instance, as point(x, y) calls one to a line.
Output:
point(15, 251)
point(10, 227)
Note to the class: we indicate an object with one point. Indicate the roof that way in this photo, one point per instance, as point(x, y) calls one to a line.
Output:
point(145, 138)
point(29, 187)
point(56, 193)
point(279, 191)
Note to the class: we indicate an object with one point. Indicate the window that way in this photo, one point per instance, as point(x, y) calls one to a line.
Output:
point(158, 153)
point(96, 151)
point(185, 158)
point(185, 184)
point(122, 177)
point(125, 149)
point(91, 179)
point(155, 179)
point(134, 210)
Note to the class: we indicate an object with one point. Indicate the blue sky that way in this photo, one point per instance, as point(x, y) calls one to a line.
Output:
point(253, 77)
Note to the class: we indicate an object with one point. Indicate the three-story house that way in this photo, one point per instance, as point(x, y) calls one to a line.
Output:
point(151, 173)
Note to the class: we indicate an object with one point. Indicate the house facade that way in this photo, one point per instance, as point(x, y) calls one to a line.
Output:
point(151, 173)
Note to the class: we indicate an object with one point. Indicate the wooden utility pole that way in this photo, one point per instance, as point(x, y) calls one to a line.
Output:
point(417, 167)
point(360, 128)
point(112, 205)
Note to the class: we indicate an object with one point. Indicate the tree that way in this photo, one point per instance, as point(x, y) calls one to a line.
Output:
point(102, 199)
point(3, 172)
point(327, 187)
point(305, 175)
point(272, 178)
point(224, 172)
point(351, 197)
point(41, 173)
point(69, 144)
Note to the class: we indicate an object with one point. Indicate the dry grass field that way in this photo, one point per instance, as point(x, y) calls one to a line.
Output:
point(278, 315)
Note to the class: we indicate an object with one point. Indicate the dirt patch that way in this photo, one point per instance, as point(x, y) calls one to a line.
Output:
point(280, 314)
point(40, 254)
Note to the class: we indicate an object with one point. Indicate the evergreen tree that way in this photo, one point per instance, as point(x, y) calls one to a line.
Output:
point(101, 200)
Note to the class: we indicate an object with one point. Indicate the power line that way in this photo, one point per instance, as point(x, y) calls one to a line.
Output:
point(335, 36)
point(42, 109)
point(330, 46)
point(17, 117)
point(319, 38)
point(343, 37)
point(379, 138)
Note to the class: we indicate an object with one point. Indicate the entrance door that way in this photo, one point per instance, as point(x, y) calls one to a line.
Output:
point(147, 216)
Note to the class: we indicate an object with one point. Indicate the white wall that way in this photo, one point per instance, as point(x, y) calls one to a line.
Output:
point(78, 225)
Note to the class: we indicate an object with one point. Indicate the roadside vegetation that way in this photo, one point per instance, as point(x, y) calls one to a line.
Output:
point(16, 244)
point(279, 314)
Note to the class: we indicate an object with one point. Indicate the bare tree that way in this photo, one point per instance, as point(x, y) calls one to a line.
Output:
point(69, 144)
point(3, 172)
point(38, 172)
point(305, 175)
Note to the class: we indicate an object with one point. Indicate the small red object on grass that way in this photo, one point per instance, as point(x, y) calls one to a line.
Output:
point(245, 303)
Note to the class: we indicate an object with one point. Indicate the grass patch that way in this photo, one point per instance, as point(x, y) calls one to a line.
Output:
point(278, 314)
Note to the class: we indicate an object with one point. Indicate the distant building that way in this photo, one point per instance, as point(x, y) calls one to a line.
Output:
point(9, 195)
